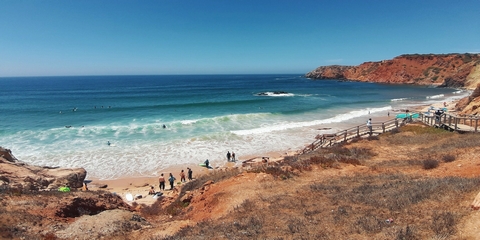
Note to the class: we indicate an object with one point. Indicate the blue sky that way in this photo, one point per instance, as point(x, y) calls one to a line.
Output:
point(60, 38)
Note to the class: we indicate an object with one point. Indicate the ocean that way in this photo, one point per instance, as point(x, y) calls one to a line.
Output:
point(68, 121)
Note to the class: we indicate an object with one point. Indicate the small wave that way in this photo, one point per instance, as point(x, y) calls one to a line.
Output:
point(335, 119)
point(188, 122)
point(275, 94)
point(436, 96)
point(398, 99)
point(458, 92)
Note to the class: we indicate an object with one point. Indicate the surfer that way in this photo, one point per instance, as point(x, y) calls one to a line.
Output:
point(108, 143)
point(228, 156)
point(233, 156)
point(206, 163)
point(164, 126)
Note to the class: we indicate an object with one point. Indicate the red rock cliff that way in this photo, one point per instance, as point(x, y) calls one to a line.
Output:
point(446, 70)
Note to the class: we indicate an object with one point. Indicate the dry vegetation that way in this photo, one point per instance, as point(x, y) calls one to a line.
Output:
point(387, 202)
point(414, 183)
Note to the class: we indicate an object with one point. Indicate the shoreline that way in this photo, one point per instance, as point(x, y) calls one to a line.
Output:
point(140, 185)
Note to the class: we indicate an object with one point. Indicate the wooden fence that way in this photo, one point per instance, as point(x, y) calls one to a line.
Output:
point(452, 122)
point(446, 121)
point(328, 140)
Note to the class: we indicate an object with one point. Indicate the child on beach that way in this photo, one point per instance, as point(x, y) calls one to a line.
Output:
point(152, 191)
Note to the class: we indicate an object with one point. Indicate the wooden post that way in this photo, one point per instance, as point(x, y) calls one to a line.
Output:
point(456, 120)
point(396, 122)
point(449, 120)
point(383, 127)
point(345, 136)
point(358, 131)
point(476, 124)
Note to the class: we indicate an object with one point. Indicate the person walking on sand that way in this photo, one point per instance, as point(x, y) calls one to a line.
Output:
point(182, 176)
point(233, 156)
point(161, 181)
point(369, 126)
point(171, 179)
point(190, 178)
point(228, 156)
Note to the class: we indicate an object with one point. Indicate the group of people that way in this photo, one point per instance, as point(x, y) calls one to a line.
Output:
point(231, 156)
point(171, 180)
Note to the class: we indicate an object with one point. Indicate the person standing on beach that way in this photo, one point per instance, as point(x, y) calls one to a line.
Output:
point(369, 126)
point(190, 178)
point(182, 176)
point(228, 156)
point(171, 179)
point(161, 181)
point(233, 156)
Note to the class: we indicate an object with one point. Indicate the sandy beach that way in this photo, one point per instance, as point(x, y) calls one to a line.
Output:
point(140, 186)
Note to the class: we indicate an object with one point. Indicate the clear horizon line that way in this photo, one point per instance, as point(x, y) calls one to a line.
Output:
point(112, 75)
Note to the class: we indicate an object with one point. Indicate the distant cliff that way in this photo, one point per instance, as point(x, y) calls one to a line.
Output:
point(442, 70)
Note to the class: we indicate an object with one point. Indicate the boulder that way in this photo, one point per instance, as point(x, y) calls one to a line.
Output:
point(21, 177)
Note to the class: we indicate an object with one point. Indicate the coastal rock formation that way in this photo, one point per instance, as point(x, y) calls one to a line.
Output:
point(20, 177)
point(442, 70)
point(470, 105)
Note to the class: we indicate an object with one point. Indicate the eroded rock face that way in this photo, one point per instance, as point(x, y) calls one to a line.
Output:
point(20, 177)
point(445, 70)
point(470, 105)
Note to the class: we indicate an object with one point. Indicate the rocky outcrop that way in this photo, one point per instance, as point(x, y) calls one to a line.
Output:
point(470, 105)
point(16, 176)
point(443, 70)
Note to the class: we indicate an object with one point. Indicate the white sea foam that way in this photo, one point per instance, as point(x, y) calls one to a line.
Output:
point(275, 94)
point(188, 122)
point(436, 96)
point(290, 125)
point(398, 99)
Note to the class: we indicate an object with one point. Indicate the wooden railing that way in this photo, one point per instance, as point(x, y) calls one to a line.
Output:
point(328, 140)
point(452, 122)
point(446, 121)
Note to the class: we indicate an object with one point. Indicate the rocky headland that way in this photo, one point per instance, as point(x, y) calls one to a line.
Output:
point(442, 70)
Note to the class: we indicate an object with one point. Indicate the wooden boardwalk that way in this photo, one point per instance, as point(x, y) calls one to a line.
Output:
point(328, 140)
point(446, 121)
point(452, 123)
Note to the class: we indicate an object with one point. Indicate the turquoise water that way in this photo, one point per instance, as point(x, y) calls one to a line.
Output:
point(67, 121)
